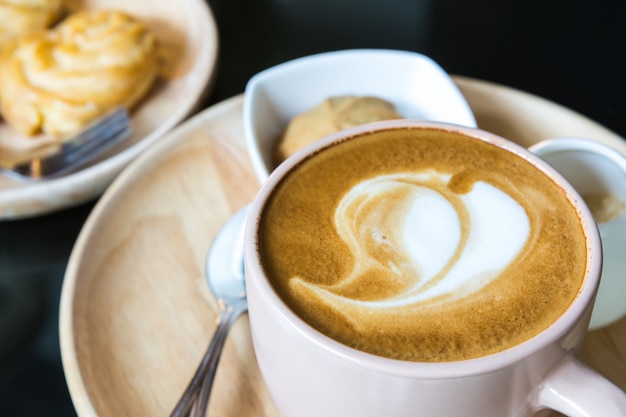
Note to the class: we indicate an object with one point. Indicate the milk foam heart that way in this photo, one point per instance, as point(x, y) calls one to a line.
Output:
point(412, 229)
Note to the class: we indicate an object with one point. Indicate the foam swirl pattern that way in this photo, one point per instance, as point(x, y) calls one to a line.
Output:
point(433, 244)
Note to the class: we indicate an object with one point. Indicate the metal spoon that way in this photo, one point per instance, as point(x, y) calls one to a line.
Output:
point(225, 275)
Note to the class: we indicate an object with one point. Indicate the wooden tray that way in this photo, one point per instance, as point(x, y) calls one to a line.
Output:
point(136, 313)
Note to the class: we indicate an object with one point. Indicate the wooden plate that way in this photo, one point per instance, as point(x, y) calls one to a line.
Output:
point(136, 313)
point(187, 35)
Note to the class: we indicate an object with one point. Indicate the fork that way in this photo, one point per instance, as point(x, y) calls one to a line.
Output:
point(101, 135)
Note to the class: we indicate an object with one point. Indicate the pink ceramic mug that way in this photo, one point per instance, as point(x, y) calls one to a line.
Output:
point(310, 375)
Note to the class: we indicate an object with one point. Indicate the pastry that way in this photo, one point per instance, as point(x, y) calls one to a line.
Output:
point(605, 207)
point(19, 17)
point(58, 81)
point(330, 116)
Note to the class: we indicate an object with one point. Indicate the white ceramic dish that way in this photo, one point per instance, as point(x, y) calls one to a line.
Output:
point(597, 168)
point(417, 86)
point(187, 32)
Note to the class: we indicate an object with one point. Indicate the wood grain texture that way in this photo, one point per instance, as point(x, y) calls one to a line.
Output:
point(136, 313)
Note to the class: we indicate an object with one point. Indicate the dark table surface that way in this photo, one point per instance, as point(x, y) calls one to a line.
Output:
point(570, 52)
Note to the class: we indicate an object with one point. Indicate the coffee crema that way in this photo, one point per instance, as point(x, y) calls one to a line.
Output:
point(422, 245)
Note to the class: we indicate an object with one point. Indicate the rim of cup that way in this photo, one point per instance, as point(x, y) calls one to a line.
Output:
point(562, 145)
point(570, 144)
point(453, 369)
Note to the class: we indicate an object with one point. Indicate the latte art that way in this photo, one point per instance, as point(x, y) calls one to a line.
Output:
point(422, 245)
point(428, 243)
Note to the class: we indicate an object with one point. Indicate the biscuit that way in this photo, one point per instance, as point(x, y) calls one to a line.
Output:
point(332, 115)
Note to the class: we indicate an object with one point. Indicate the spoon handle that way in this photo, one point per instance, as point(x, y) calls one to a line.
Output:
point(228, 316)
point(202, 381)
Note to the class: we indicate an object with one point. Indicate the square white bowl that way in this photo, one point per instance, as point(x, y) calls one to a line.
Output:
point(416, 85)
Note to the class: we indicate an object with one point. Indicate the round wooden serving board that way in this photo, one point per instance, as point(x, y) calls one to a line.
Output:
point(136, 312)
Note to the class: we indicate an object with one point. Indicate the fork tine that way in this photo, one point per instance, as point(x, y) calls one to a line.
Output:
point(95, 139)
point(115, 120)
point(100, 136)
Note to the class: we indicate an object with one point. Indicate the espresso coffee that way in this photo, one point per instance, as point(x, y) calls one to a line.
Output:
point(422, 244)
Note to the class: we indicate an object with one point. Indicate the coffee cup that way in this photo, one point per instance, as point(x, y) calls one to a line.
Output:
point(598, 172)
point(404, 267)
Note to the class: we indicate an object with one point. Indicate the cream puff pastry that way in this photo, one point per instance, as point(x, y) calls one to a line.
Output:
point(19, 17)
point(58, 81)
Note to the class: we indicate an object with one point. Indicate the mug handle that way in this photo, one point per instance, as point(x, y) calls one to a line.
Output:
point(576, 390)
